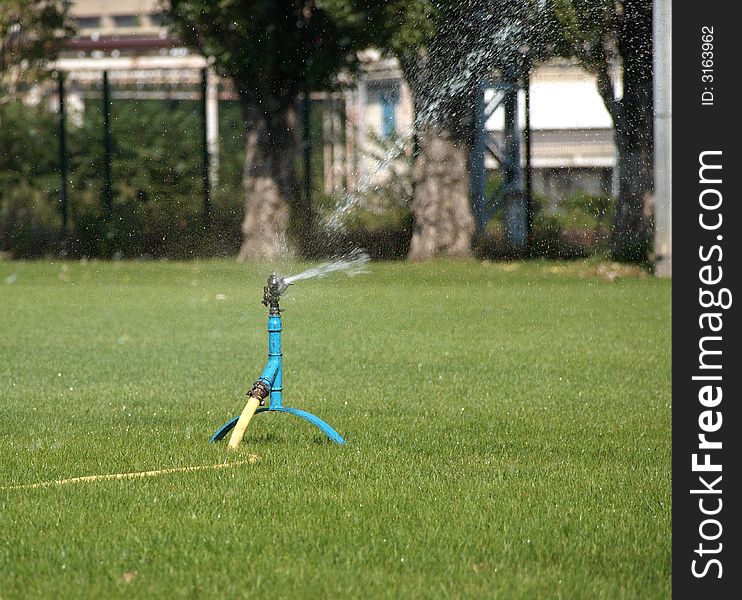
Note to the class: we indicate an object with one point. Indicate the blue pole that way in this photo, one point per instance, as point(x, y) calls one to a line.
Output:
point(515, 211)
point(62, 154)
point(205, 177)
point(107, 150)
point(272, 375)
point(477, 175)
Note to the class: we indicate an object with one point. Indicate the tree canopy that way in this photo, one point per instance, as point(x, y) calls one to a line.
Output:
point(275, 49)
point(30, 33)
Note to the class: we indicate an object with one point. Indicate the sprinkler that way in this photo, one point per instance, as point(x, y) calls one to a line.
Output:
point(269, 386)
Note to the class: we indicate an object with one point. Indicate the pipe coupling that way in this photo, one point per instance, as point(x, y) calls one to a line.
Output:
point(259, 390)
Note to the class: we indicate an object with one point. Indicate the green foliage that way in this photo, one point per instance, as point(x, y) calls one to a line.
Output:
point(30, 33)
point(410, 25)
point(157, 181)
point(598, 32)
point(576, 227)
point(28, 180)
point(158, 193)
point(419, 25)
point(275, 49)
point(585, 27)
point(597, 210)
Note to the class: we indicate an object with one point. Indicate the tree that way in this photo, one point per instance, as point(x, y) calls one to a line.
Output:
point(274, 50)
point(445, 50)
point(30, 34)
point(601, 34)
point(430, 52)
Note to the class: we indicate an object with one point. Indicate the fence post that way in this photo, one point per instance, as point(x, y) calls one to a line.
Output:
point(205, 178)
point(515, 211)
point(477, 175)
point(107, 177)
point(662, 18)
point(528, 167)
point(307, 147)
point(63, 165)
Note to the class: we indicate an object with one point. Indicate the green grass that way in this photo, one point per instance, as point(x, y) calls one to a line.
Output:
point(508, 429)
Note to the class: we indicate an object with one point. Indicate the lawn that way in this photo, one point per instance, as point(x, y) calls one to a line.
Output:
point(508, 431)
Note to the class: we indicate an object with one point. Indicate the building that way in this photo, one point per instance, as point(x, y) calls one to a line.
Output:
point(572, 147)
point(571, 132)
point(101, 19)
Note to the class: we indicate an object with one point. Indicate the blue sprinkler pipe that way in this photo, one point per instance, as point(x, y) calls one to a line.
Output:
point(270, 382)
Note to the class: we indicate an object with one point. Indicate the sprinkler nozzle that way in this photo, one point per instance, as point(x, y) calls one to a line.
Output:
point(272, 292)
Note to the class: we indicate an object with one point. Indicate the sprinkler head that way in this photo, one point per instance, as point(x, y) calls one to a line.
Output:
point(272, 292)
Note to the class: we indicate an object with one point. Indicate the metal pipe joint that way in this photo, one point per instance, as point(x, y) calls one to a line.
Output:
point(259, 391)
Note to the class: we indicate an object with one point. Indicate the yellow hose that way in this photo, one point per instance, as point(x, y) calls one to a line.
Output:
point(243, 422)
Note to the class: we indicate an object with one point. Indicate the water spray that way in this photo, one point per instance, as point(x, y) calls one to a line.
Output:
point(269, 386)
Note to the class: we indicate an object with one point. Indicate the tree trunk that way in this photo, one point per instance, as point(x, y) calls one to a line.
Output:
point(441, 208)
point(444, 224)
point(633, 119)
point(632, 227)
point(270, 183)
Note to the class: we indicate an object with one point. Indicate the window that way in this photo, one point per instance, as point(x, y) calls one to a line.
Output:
point(384, 95)
point(88, 22)
point(388, 114)
point(159, 19)
point(126, 20)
